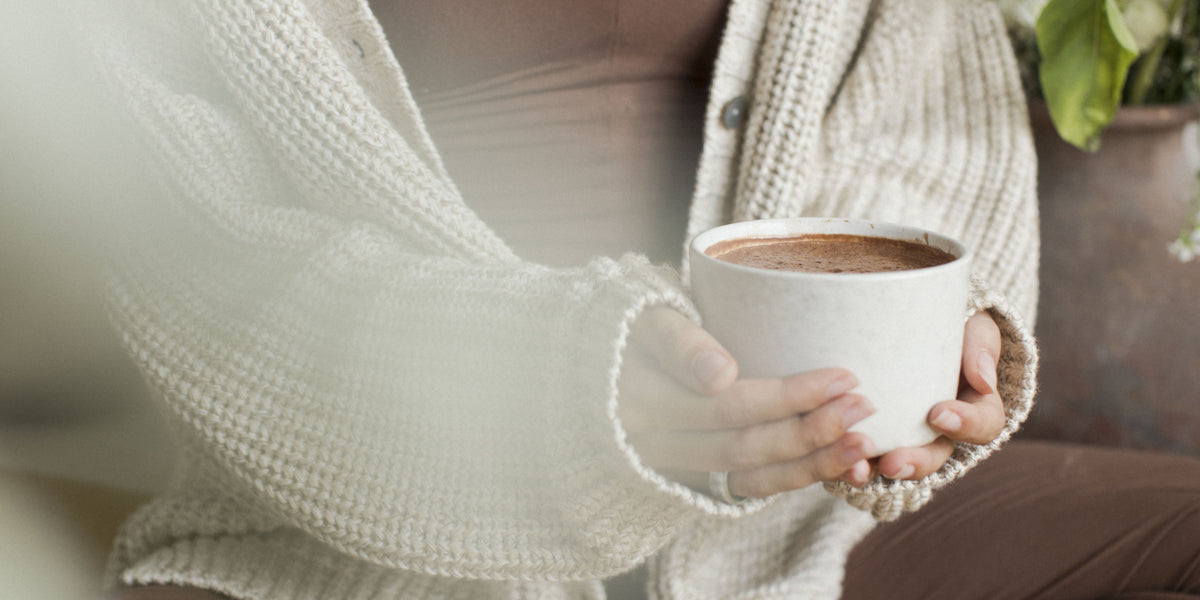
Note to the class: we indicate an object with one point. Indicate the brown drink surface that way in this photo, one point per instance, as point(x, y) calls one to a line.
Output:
point(829, 253)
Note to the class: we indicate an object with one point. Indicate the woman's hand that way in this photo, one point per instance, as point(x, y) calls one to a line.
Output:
point(977, 417)
point(687, 413)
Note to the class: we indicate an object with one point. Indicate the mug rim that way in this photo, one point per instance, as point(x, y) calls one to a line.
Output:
point(794, 226)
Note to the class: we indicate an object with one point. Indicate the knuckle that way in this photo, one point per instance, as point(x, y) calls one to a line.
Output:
point(925, 468)
point(775, 393)
point(742, 451)
point(928, 463)
point(734, 409)
point(693, 344)
point(803, 475)
point(993, 430)
point(996, 430)
point(801, 393)
point(690, 339)
point(748, 402)
point(982, 424)
point(819, 466)
point(828, 467)
point(819, 428)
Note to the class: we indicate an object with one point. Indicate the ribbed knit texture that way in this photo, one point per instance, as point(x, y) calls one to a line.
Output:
point(378, 399)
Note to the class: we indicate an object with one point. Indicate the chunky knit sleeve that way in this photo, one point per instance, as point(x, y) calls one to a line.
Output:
point(347, 350)
point(926, 126)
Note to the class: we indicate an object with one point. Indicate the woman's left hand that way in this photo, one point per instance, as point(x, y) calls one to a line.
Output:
point(977, 417)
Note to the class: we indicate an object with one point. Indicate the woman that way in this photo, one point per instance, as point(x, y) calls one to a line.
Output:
point(399, 368)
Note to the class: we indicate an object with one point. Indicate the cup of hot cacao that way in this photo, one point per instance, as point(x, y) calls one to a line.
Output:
point(885, 301)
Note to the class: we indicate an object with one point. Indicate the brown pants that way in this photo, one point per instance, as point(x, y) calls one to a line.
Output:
point(1042, 520)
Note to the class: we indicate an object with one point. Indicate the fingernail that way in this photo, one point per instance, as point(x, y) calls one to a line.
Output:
point(948, 421)
point(709, 365)
point(859, 410)
point(904, 473)
point(840, 386)
point(987, 370)
point(860, 473)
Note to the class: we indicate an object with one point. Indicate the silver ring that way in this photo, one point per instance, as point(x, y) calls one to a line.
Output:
point(718, 485)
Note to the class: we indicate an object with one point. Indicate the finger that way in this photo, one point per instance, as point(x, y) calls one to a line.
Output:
point(827, 464)
point(652, 400)
point(916, 463)
point(684, 350)
point(755, 446)
point(753, 401)
point(859, 474)
point(981, 346)
point(976, 418)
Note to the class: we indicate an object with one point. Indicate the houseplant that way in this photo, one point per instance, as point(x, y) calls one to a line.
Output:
point(1088, 58)
point(1113, 87)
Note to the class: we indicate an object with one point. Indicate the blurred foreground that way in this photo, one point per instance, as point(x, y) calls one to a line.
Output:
point(80, 444)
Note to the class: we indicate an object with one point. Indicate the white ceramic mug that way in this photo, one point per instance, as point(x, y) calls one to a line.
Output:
point(899, 332)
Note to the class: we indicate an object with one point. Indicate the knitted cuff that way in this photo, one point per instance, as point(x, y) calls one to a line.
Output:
point(887, 499)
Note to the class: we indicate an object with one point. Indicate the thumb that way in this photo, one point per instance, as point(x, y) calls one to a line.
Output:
point(684, 350)
point(981, 348)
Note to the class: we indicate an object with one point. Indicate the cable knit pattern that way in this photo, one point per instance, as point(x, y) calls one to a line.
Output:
point(378, 399)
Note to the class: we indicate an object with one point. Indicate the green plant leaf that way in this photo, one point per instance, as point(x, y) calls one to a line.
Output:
point(1086, 51)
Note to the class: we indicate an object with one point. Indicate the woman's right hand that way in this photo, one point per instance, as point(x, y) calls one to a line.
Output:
point(687, 414)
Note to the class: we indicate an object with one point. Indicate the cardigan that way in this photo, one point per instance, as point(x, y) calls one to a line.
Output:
point(376, 398)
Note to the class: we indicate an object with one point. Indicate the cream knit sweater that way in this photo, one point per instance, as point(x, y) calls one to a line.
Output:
point(378, 399)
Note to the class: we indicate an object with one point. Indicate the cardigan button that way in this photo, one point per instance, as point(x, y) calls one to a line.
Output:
point(734, 113)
